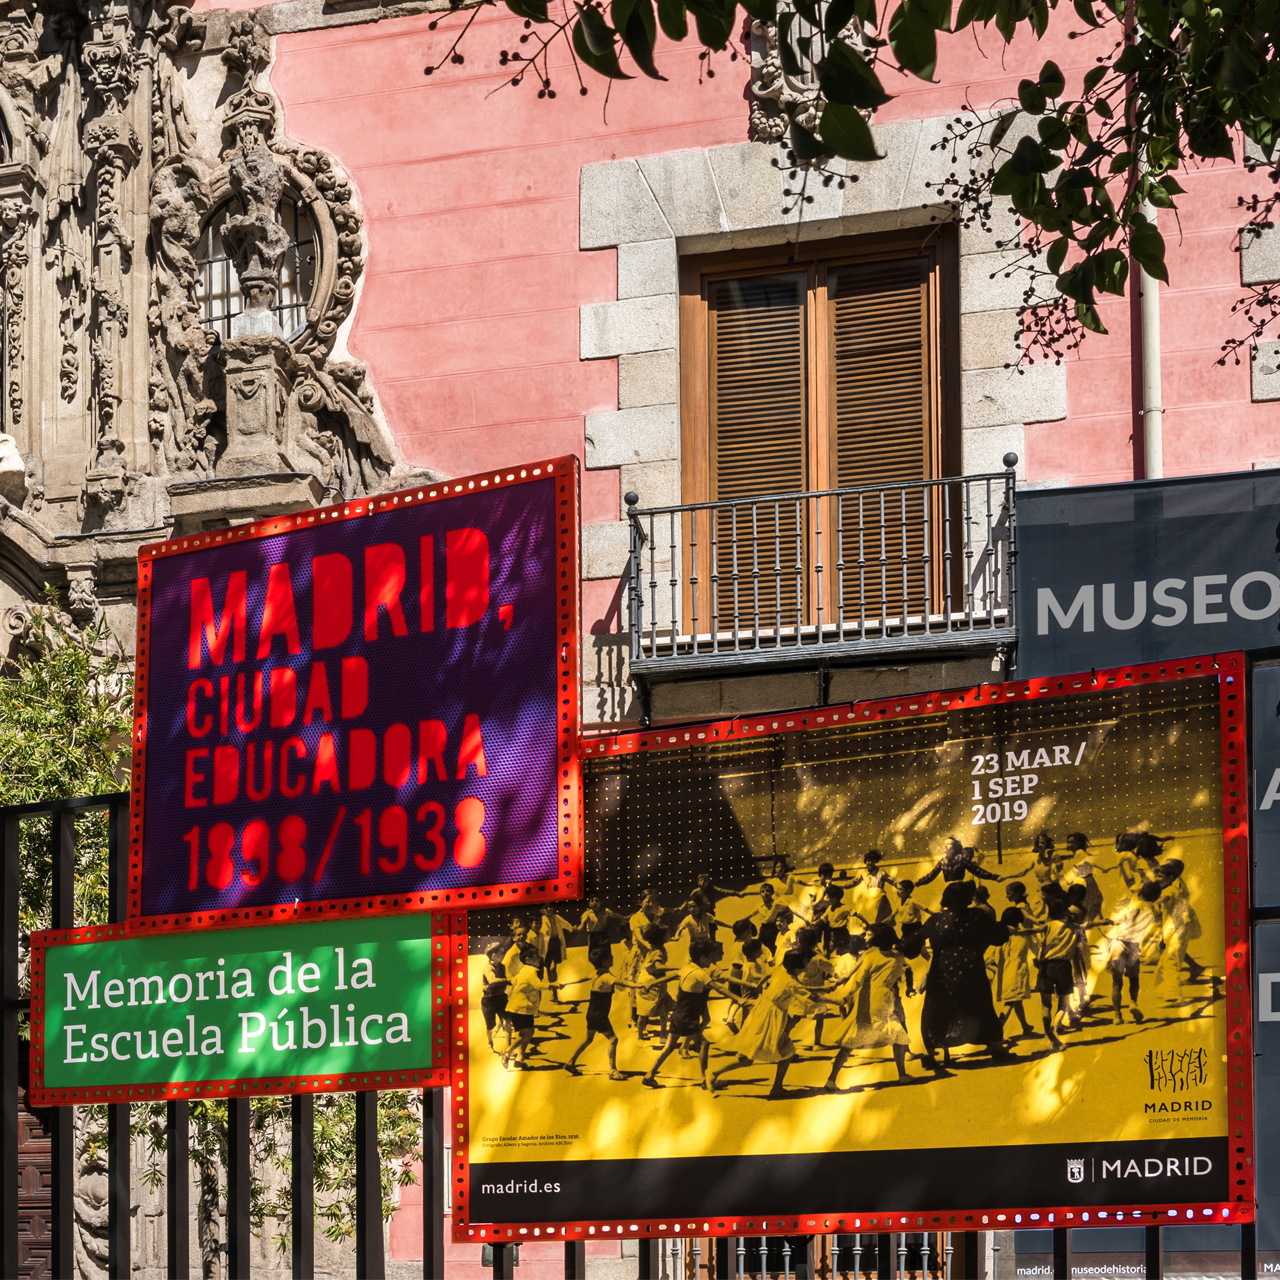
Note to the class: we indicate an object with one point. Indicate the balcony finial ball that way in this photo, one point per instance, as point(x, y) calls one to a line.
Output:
point(631, 499)
point(1010, 460)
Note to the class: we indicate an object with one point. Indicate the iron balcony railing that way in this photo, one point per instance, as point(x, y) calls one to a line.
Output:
point(796, 576)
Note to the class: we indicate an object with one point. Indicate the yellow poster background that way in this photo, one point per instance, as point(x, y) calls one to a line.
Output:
point(1133, 760)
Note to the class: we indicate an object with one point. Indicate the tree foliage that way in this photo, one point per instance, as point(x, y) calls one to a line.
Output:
point(1178, 83)
point(66, 700)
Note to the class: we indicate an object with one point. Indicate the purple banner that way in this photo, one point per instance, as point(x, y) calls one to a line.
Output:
point(354, 708)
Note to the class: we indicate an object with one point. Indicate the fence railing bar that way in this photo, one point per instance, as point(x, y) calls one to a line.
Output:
point(370, 1261)
point(653, 593)
point(693, 577)
point(840, 564)
point(715, 583)
point(239, 1189)
point(62, 853)
point(177, 1189)
point(777, 573)
point(800, 593)
point(925, 504)
point(968, 557)
point(302, 1184)
point(119, 1152)
point(884, 570)
point(755, 571)
point(906, 559)
point(434, 1121)
point(9, 1080)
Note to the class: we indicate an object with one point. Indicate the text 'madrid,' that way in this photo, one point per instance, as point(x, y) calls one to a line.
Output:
point(310, 1007)
point(367, 707)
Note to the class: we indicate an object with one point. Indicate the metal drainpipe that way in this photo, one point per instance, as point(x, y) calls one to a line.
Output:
point(1152, 406)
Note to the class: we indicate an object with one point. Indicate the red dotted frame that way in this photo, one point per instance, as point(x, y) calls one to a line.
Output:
point(1230, 670)
point(446, 926)
point(566, 886)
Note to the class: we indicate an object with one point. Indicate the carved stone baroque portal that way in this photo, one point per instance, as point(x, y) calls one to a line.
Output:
point(158, 235)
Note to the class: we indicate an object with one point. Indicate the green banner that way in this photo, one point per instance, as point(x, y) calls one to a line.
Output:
point(329, 1001)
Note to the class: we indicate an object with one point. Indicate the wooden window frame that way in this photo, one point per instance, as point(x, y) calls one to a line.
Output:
point(938, 242)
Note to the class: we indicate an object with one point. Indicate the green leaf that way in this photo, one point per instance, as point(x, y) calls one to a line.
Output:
point(714, 28)
point(1147, 246)
point(675, 22)
point(1120, 162)
point(1084, 11)
point(913, 39)
point(847, 78)
point(1057, 255)
point(1029, 158)
point(1031, 97)
point(805, 145)
point(605, 64)
point(1089, 317)
point(1111, 270)
point(838, 16)
point(534, 10)
point(1007, 180)
point(938, 12)
point(1003, 126)
point(1093, 77)
point(844, 131)
point(596, 32)
point(640, 34)
point(1102, 108)
point(1052, 81)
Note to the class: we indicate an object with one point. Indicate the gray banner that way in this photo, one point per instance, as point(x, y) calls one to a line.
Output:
point(1145, 572)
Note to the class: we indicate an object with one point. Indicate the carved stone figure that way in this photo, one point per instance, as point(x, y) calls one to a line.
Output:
point(13, 472)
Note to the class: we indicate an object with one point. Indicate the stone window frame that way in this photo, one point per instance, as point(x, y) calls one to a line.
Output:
point(652, 210)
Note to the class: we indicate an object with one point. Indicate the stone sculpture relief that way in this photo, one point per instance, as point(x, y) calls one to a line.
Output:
point(777, 96)
point(124, 414)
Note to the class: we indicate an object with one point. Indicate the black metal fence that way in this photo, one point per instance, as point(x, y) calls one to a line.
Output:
point(61, 817)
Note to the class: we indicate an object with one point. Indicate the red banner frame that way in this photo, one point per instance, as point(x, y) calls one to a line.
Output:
point(450, 925)
point(568, 669)
point(1230, 667)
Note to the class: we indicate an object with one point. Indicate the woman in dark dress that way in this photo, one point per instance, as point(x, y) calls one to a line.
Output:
point(958, 1008)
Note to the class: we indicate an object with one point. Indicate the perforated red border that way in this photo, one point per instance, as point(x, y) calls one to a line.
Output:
point(566, 886)
point(1230, 669)
point(447, 926)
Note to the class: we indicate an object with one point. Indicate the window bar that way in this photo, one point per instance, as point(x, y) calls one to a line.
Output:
point(799, 567)
point(715, 585)
point(840, 564)
point(764, 1257)
point(697, 1254)
point(675, 584)
point(946, 553)
point(835, 1258)
point(906, 555)
point(857, 1255)
point(995, 1256)
point(925, 497)
point(693, 576)
point(924, 1256)
point(862, 571)
point(902, 1254)
point(987, 566)
point(737, 601)
point(742, 1258)
point(884, 572)
point(968, 555)
point(755, 571)
point(1011, 554)
point(675, 1256)
point(950, 1249)
point(786, 1258)
point(635, 592)
point(817, 533)
point(777, 575)
point(653, 593)
point(239, 1181)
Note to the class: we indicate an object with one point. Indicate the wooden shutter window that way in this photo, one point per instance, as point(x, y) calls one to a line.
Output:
point(881, 432)
point(758, 393)
point(757, 382)
point(880, 372)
